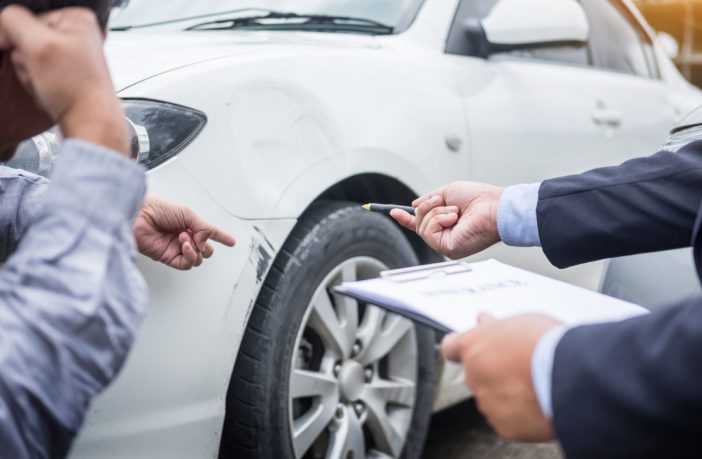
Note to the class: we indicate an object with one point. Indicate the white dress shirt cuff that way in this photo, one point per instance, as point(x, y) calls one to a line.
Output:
point(542, 367)
point(516, 216)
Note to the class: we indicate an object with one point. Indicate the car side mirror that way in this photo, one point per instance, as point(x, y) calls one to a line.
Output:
point(527, 24)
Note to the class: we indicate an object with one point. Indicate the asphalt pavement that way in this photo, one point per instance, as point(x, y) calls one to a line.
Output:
point(462, 433)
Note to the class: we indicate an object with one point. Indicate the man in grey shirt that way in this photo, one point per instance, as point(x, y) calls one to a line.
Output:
point(71, 297)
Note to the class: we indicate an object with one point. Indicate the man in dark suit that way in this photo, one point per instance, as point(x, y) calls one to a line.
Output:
point(627, 389)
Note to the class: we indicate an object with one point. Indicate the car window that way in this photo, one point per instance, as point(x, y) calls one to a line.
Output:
point(475, 10)
point(618, 42)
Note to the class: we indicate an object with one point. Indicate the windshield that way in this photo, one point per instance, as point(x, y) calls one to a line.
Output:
point(146, 12)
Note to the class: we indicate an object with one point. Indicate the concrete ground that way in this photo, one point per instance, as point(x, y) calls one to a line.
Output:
point(462, 433)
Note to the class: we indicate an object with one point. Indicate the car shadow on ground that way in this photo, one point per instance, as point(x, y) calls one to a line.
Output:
point(462, 433)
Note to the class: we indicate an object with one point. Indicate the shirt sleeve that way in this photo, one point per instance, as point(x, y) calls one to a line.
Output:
point(22, 195)
point(516, 216)
point(71, 299)
point(542, 367)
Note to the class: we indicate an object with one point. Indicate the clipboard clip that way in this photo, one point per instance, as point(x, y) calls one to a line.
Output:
point(416, 273)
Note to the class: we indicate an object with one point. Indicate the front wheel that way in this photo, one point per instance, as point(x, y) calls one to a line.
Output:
point(324, 376)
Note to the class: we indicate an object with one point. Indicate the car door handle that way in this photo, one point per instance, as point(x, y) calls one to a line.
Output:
point(607, 117)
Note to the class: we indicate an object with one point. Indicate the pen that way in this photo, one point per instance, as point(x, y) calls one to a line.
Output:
point(386, 208)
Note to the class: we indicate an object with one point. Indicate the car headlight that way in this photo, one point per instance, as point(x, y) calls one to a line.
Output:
point(161, 130)
point(158, 132)
point(38, 155)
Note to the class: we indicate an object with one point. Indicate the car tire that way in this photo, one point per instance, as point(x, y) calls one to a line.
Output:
point(261, 407)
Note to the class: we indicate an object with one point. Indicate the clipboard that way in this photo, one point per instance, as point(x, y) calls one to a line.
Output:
point(412, 274)
point(449, 296)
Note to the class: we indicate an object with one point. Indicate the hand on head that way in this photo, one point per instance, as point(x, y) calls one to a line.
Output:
point(58, 61)
point(496, 358)
point(457, 220)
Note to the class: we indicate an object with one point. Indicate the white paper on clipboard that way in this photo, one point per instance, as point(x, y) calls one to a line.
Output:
point(449, 296)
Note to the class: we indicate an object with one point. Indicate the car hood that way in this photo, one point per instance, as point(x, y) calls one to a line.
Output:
point(138, 56)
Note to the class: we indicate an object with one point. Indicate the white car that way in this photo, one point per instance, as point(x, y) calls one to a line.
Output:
point(274, 120)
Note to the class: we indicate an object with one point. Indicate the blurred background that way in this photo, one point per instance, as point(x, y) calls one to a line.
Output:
point(681, 20)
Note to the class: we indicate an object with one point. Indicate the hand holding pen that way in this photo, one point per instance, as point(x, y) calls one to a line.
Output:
point(457, 220)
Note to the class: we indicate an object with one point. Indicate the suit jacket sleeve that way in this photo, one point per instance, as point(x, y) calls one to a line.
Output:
point(631, 389)
point(644, 205)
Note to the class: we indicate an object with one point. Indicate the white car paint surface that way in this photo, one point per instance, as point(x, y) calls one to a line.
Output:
point(291, 114)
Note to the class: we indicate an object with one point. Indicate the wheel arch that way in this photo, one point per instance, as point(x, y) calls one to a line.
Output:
point(374, 187)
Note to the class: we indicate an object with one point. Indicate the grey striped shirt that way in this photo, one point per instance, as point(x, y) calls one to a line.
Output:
point(71, 297)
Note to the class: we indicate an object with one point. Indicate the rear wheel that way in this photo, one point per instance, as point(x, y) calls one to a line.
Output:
point(322, 376)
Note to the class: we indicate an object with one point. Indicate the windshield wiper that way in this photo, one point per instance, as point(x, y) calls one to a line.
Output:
point(124, 28)
point(293, 21)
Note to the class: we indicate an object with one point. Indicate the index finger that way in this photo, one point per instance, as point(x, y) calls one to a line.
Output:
point(20, 28)
point(422, 199)
point(440, 192)
point(210, 232)
point(222, 237)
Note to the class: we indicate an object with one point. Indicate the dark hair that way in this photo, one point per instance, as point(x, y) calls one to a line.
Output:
point(101, 8)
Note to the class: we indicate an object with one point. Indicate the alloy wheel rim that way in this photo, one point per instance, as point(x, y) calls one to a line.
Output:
point(353, 375)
